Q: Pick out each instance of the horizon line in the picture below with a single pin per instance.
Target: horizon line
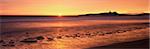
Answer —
(68, 14)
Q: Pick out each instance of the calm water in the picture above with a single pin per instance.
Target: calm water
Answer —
(9, 24)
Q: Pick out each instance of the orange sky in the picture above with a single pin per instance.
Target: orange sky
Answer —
(71, 7)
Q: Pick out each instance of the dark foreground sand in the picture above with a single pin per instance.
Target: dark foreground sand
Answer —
(139, 44)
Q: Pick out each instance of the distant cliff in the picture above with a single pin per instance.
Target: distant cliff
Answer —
(115, 14)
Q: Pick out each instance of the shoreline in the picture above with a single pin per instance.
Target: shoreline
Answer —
(77, 36)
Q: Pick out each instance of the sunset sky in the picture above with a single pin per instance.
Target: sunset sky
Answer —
(71, 7)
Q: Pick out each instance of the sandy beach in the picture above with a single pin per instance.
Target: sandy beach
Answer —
(73, 34)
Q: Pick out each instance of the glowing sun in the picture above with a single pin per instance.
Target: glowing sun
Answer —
(59, 15)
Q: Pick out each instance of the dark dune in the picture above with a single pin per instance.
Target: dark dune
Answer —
(140, 44)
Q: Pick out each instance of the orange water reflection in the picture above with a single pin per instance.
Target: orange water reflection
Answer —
(24, 25)
(73, 23)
